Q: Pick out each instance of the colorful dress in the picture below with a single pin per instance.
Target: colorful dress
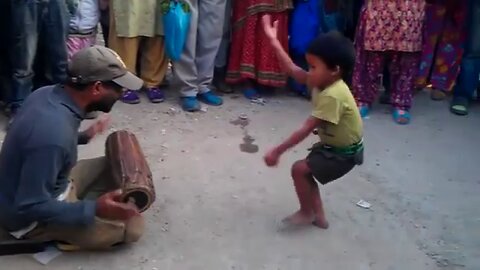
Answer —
(444, 37)
(251, 55)
(389, 31)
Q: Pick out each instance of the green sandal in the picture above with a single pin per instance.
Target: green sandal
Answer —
(459, 106)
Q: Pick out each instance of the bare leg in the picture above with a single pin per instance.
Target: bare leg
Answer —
(320, 219)
(302, 179)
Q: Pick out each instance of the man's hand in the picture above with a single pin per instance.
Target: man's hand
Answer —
(98, 127)
(271, 30)
(110, 207)
(272, 157)
(103, 4)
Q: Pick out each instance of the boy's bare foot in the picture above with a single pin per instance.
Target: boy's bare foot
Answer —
(322, 223)
(299, 218)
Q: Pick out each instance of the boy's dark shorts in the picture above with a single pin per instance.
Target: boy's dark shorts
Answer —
(327, 166)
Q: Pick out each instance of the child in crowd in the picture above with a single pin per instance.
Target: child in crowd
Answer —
(84, 18)
(335, 116)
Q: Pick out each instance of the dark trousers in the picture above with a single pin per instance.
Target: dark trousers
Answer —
(34, 24)
(5, 71)
(467, 81)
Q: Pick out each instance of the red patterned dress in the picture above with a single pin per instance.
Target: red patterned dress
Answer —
(389, 33)
(251, 55)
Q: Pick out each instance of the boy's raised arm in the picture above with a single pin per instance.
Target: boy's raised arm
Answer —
(286, 62)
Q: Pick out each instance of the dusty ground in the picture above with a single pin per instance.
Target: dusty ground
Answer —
(220, 208)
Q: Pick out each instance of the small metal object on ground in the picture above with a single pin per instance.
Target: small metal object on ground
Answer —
(364, 204)
(259, 101)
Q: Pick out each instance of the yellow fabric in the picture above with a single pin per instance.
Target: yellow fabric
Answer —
(135, 18)
(153, 60)
(342, 125)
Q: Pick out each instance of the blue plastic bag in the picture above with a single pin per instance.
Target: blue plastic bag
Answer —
(176, 23)
(307, 21)
(304, 25)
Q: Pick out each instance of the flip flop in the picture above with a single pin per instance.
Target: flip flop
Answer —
(400, 116)
(459, 106)
(437, 95)
(68, 247)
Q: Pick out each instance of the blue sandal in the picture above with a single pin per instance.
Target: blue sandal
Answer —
(251, 93)
(364, 110)
(400, 116)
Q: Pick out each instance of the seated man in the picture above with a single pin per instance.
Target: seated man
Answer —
(42, 197)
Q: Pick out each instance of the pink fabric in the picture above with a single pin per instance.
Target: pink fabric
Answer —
(403, 67)
(76, 43)
(394, 25)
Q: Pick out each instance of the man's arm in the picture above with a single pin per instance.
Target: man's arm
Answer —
(34, 200)
(103, 4)
(98, 127)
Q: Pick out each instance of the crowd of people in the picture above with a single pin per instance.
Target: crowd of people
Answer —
(410, 44)
(252, 45)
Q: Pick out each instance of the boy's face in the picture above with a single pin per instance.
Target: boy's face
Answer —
(319, 75)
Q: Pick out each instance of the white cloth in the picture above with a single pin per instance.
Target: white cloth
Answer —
(86, 17)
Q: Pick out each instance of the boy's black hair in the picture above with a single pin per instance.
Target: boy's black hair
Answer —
(335, 50)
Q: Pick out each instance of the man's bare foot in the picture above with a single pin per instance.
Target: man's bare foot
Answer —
(299, 218)
(322, 223)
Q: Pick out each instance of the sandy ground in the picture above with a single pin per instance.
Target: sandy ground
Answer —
(220, 208)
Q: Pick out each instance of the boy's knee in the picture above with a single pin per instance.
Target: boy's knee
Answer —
(134, 229)
(300, 167)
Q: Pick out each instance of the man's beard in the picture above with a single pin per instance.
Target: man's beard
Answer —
(105, 105)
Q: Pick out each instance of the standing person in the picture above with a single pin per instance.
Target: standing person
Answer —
(194, 71)
(136, 34)
(222, 55)
(251, 61)
(389, 32)
(34, 23)
(444, 37)
(42, 198)
(334, 115)
(85, 15)
(468, 78)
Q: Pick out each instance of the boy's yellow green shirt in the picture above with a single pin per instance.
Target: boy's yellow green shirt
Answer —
(341, 121)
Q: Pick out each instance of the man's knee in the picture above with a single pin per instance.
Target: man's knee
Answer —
(134, 229)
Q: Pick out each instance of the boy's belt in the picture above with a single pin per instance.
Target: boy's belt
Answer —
(347, 150)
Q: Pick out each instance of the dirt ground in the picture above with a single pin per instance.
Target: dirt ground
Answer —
(220, 208)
